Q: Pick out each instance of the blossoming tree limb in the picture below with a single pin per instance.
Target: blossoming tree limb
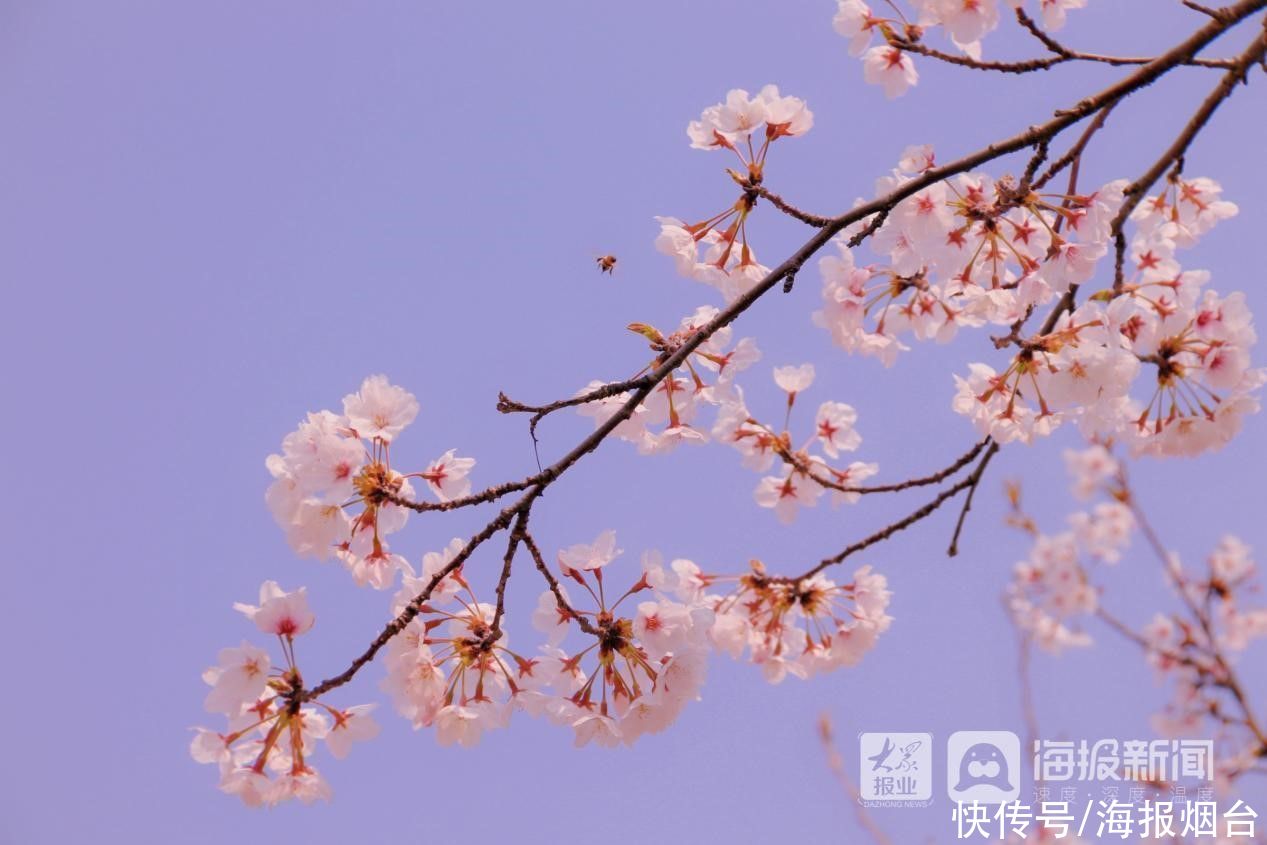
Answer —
(960, 250)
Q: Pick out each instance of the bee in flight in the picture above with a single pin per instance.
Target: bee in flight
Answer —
(606, 263)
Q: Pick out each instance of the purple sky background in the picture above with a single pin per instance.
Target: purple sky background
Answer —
(216, 217)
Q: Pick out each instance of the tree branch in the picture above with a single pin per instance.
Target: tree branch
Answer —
(873, 212)
(1173, 156)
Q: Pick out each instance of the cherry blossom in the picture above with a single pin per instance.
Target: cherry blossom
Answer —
(802, 477)
(800, 627)
(447, 670)
(793, 380)
(335, 495)
(379, 410)
(855, 21)
(355, 724)
(589, 557)
(238, 679)
(648, 665)
(728, 261)
(447, 476)
(1087, 318)
(264, 753)
(279, 612)
(964, 22)
(706, 378)
(1055, 12)
(1090, 468)
(891, 69)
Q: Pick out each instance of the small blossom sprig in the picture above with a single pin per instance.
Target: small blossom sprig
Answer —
(728, 262)
(803, 476)
(641, 669)
(451, 667)
(965, 23)
(706, 377)
(265, 753)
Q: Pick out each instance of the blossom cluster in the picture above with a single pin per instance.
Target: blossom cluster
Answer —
(803, 476)
(642, 650)
(614, 666)
(1051, 591)
(706, 378)
(333, 476)
(964, 22)
(264, 754)
(1158, 361)
(798, 627)
(975, 251)
(1194, 648)
(716, 250)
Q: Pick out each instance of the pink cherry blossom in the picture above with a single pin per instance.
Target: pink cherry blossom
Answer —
(1090, 468)
(854, 21)
(355, 724)
(889, 68)
(379, 410)
(447, 476)
(279, 612)
(589, 557)
(794, 380)
(238, 679)
(835, 421)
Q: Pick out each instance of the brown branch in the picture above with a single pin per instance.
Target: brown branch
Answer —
(506, 405)
(1061, 54)
(414, 607)
(923, 481)
(1041, 149)
(876, 210)
(1229, 679)
(973, 481)
(512, 545)
(1073, 155)
(584, 624)
(1205, 10)
(488, 495)
(791, 210)
(1025, 683)
(1068, 54)
(1173, 156)
(886, 532)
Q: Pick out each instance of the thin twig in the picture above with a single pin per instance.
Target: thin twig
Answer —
(531, 545)
(937, 477)
(1137, 190)
(1074, 153)
(791, 210)
(973, 481)
(886, 532)
(1229, 678)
